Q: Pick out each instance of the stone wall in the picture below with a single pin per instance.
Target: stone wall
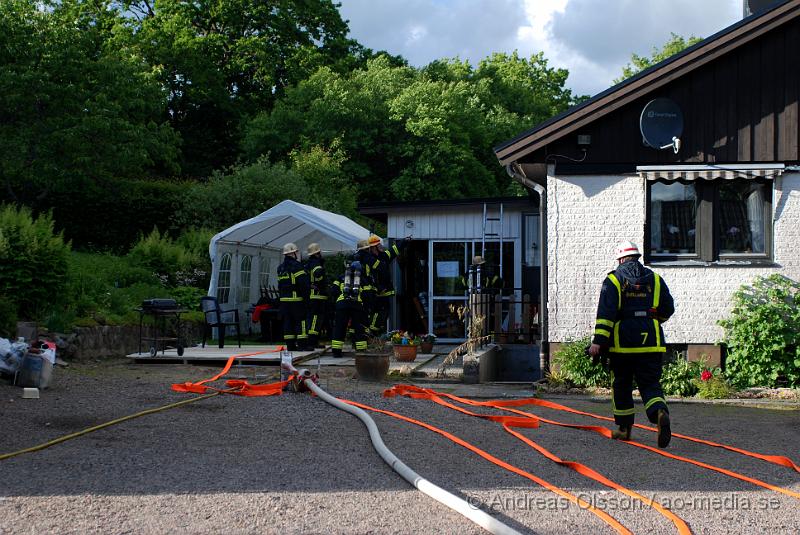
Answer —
(104, 341)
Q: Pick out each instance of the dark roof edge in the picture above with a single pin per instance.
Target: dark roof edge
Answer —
(739, 32)
(385, 206)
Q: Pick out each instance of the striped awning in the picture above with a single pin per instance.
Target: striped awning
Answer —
(709, 172)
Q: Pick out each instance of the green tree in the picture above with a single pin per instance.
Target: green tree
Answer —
(223, 60)
(74, 108)
(426, 133)
(639, 63)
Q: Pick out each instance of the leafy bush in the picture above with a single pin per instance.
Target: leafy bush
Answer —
(8, 317)
(173, 263)
(33, 261)
(763, 333)
(712, 385)
(577, 368)
(677, 377)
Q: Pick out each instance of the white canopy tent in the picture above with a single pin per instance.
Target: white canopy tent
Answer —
(245, 257)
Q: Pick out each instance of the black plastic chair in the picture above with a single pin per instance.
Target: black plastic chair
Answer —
(221, 319)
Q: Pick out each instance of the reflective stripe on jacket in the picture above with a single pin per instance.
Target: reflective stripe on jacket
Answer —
(293, 281)
(634, 302)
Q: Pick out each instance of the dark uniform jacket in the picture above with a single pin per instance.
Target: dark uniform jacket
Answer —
(293, 281)
(380, 268)
(634, 302)
(490, 283)
(315, 267)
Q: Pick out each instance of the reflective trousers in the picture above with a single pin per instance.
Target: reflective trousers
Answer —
(294, 323)
(646, 369)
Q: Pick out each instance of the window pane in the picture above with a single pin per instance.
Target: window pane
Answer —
(492, 256)
(741, 217)
(448, 262)
(673, 218)
(446, 323)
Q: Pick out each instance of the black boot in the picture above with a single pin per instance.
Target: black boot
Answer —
(623, 433)
(337, 353)
(291, 345)
(664, 430)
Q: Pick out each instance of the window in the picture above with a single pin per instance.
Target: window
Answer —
(224, 279)
(245, 269)
(710, 220)
(263, 276)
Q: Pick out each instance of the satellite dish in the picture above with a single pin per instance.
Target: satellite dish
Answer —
(661, 124)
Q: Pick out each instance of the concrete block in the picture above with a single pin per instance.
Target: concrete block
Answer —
(696, 352)
(30, 393)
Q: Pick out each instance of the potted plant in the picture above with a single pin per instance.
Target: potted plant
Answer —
(405, 345)
(373, 363)
(427, 343)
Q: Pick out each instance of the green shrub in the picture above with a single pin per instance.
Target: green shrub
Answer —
(577, 368)
(713, 385)
(172, 263)
(8, 317)
(763, 333)
(677, 377)
(33, 261)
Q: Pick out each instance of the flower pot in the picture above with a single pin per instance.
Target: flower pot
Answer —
(372, 366)
(426, 347)
(405, 353)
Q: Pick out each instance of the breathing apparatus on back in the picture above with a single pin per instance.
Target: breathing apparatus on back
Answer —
(352, 279)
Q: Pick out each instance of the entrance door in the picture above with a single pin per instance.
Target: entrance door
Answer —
(449, 260)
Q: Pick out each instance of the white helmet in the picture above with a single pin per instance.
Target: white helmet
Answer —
(313, 248)
(289, 248)
(626, 248)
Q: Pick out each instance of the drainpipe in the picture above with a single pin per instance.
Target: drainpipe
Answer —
(479, 517)
(515, 172)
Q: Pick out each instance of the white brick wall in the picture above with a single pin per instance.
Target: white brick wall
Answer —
(588, 215)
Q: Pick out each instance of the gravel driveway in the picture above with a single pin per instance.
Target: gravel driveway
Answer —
(293, 464)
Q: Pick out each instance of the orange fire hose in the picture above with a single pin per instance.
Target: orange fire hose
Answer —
(421, 393)
(608, 519)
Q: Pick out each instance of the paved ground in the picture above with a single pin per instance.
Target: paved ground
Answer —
(294, 464)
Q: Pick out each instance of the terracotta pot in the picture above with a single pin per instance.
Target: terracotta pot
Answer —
(405, 353)
(426, 347)
(372, 366)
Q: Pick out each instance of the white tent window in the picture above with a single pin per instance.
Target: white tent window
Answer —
(245, 269)
(224, 279)
(263, 276)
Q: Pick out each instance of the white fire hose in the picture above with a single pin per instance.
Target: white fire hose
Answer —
(423, 485)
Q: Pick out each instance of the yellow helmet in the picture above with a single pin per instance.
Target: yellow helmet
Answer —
(374, 240)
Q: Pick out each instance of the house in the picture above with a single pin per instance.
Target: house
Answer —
(695, 160)
(446, 235)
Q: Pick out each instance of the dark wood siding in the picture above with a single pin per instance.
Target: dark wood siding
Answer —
(740, 107)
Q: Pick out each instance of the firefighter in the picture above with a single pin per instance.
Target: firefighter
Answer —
(380, 270)
(318, 299)
(489, 281)
(634, 302)
(293, 287)
(351, 291)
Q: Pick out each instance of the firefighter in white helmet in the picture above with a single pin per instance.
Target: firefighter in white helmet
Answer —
(318, 300)
(294, 287)
(634, 302)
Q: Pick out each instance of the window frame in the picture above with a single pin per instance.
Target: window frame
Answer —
(707, 238)
(224, 278)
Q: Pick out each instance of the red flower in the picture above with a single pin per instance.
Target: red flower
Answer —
(705, 376)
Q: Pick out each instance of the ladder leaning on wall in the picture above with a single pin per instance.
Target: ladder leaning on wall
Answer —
(493, 232)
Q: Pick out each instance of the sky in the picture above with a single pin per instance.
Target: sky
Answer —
(592, 39)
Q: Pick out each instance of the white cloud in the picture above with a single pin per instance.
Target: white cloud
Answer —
(593, 39)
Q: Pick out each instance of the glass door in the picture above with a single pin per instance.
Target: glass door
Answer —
(449, 261)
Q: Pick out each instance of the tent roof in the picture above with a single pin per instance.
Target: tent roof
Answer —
(290, 221)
